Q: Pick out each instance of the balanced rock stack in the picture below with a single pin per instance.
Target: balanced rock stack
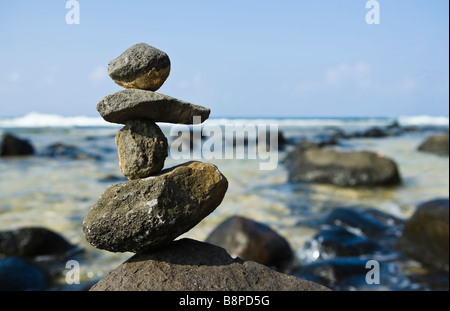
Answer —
(147, 213)
(155, 206)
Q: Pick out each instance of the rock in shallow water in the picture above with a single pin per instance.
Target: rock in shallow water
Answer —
(438, 144)
(142, 148)
(11, 145)
(323, 165)
(189, 265)
(130, 104)
(425, 237)
(141, 66)
(33, 241)
(148, 213)
(250, 240)
(17, 274)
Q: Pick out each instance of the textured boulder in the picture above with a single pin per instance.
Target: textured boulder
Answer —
(140, 66)
(142, 149)
(189, 265)
(425, 237)
(150, 212)
(251, 240)
(14, 146)
(437, 144)
(130, 104)
(323, 165)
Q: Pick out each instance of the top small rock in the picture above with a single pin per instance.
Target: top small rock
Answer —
(141, 67)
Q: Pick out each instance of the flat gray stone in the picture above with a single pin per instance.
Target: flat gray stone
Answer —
(142, 148)
(151, 212)
(131, 104)
(141, 66)
(189, 265)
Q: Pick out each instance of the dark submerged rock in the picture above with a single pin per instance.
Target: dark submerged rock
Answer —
(17, 274)
(63, 150)
(339, 242)
(251, 240)
(14, 146)
(33, 242)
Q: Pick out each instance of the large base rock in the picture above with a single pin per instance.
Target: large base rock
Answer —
(188, 265)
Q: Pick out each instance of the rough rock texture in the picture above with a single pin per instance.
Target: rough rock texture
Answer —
(147, 213)
(251, 240)
(140, 66)
(13, 146)
(437, 144)
(188, 265)
(323, 165)
(142, 148)
(130, 104)
(425, 237)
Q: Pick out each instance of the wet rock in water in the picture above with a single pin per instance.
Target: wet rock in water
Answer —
(63, 150)
(130, 104)
(141, 66)
(437, 144)
(33, 242)
(14, 146)
(17, 274)
(337, 273)
(142, 148)
(323, 165)
(425, 237)
(356, 220)
(251, 240)
(339, 242)
(189, 265)
(375, 132)
(147, 213)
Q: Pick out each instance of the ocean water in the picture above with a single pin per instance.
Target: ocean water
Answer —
(57, 192)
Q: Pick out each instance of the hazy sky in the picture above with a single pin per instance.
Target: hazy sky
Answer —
(249, 58)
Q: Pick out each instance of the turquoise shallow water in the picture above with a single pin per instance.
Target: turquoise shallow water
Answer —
(57, 192)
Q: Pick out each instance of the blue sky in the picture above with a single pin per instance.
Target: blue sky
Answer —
(246, 58)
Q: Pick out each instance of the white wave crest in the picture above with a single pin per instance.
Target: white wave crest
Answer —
(39, 120)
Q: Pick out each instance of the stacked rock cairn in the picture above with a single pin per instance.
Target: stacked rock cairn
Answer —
(154, 206)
